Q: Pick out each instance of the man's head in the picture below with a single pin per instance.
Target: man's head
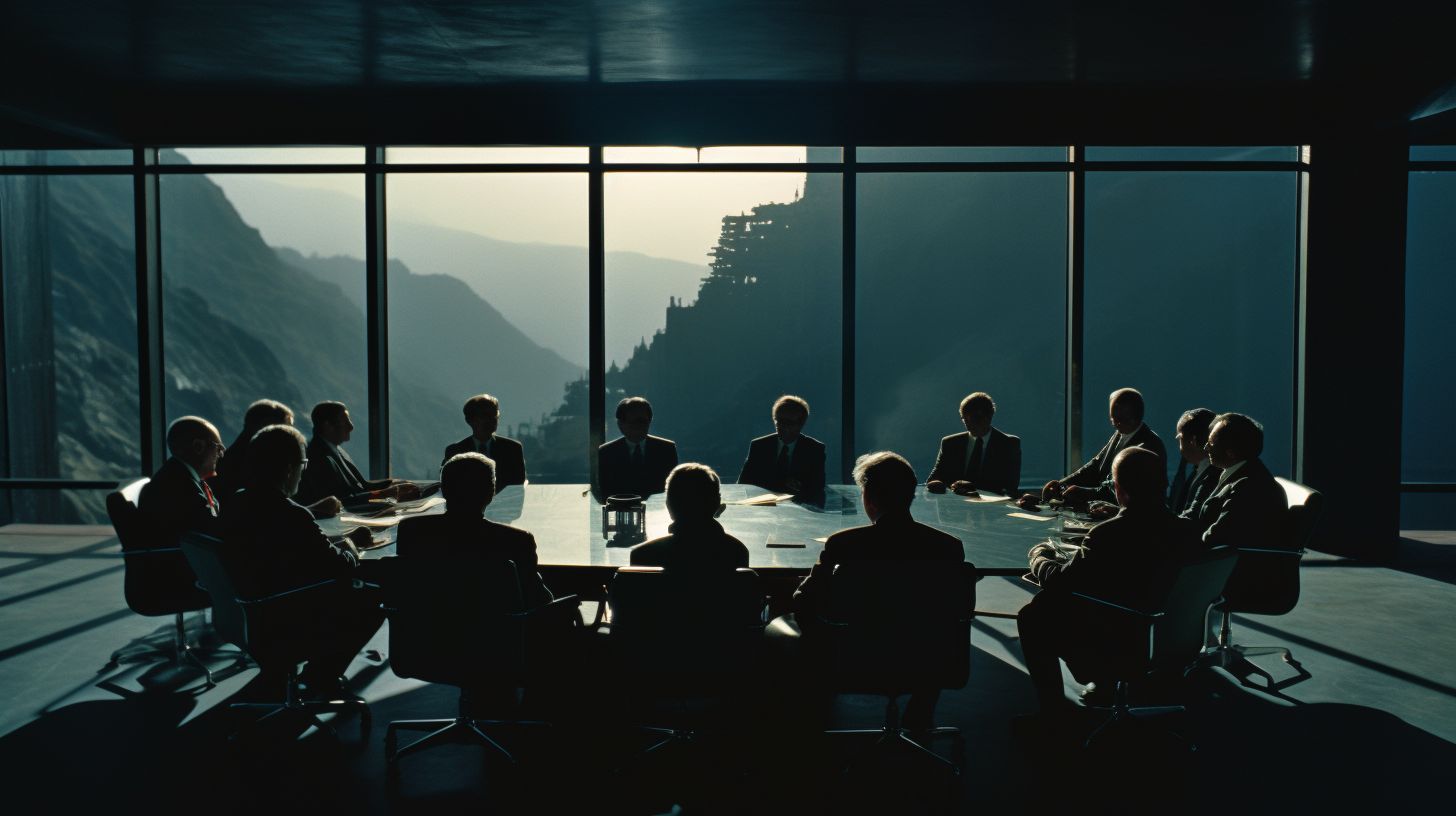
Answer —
(634, 418)
(195, 441)
(265, 412)
(1138, 477)
(789, 415)
(1234, 438)
(886, 483)
(468, 483)
(976, 412)
(276, 459)
(1125, 410)
(692, 493)
(1193, 429)
(331, 422)
(482, 414)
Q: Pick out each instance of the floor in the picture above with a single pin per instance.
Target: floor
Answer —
(1375, 726)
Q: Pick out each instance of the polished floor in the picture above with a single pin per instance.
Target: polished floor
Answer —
(1375, 727)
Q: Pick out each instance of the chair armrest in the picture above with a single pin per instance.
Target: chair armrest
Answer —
(1270, 551)
(288, 593)
(151, 551)
(1151, 616)
(563, 607)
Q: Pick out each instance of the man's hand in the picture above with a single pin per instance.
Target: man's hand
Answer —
(1102, 510)
(936, 486)
(1052, 490)
(1028, 502)
(1042, 550)
(963, 488)
(1077, 495)
(406, 491)
(358, 539)
(327, 507)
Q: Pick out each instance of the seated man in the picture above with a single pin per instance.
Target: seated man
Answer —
(1196, 474)
(462, 536)
(178, 498)
(887, 487)
(786, 461)
(694, 540)
(482, 414)
(332, 471)
(273, 545)
(982, 458)
(1131, 559)
(1093, 481)
(232, 470)
(637, 463)
(1247, 507)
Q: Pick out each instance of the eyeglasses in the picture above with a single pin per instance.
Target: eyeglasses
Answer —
(303, 465)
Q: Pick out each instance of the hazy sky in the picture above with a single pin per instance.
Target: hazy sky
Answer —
(668, 215)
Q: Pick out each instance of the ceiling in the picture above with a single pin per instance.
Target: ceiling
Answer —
(718, 71)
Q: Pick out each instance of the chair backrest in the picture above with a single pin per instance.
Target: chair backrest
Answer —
(685, 629)
(1266, 581)
(158, 580)
(899, 625)
(1179, 633)
(205, 554)
(461, 626)
(1305, 505)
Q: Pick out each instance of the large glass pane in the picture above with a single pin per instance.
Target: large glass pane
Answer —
(724, 292)
(1281, 153)
(263, 296)
(64, 158)
(488, 293)
(264, 155)
(1190, 299)
(961, 154)
(67, 249)
(485, 155)
(743, 154)
(1433, 153)
(961, 287)
(1428, 449)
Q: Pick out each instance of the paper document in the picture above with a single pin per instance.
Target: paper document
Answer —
(419, 505)
(766, 500)
(373, 523)
(987, 498)
(1030, 516)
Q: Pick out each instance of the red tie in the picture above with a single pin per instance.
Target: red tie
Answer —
(211, 502)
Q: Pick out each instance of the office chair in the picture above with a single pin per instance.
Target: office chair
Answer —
(896, 628)
(685, 636)
(267, 629)
(1132, 644)
(158, 581)
(1266, 582)
(469, 628)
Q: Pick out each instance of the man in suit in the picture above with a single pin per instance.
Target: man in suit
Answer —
(1196, 476)
(636, 463)
(273, 545)
(232, 469)
(332, 472)
(482, 414)
(1131, 559)
(695, 540)
(178, 498)
(1247, 507)
(1093, 480)
(786, 461)
(982, 458)
(887, 487)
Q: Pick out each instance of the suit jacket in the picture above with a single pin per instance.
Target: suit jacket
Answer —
(1000, 462)
(334, 474)
(1247, 509)
(1097, 473)
(174, 503)
(457, 545)
(510, 458)
(894, 537)
(617, 474)
(1131, 559)
(1188, 492)
(273, 544)
(702, 546)
(232, 469)
(806, 465)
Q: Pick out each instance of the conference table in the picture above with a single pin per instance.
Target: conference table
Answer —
(784, 540)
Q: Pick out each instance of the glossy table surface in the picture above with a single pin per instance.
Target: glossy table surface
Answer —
(567, 524)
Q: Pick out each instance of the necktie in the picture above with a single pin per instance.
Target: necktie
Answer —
(637, 455)
(211, 502)
(1181, 482)
(973, 466)
(782, 466)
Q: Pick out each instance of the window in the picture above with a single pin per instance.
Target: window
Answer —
(1428, 452)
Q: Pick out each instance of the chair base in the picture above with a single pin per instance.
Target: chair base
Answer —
(462, 729)
(293, 705)
(1121, 711)
(893, 736)
(1234, 659)
(181, 654)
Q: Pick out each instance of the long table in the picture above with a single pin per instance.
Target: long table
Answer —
(784, 539)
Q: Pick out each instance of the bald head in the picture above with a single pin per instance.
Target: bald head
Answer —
(1137, 475)
(1125, 410)
(195, 441)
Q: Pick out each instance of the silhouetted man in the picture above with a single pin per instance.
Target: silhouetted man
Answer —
(982, 458)
(482, 414)
(1196, 476)
(1247, 508)
(1093, 481)
(178, 497)
(887, 487)
(786, 461)
(1131, 560)
(273, 545)
(332, 472)
(232, 469)
(637, 463)
(695, 540)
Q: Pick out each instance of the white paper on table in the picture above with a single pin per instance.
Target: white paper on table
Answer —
(766, 500)
(373, 523)
(987, 499)
(1030, 516)
(419, 505)
(824, 540)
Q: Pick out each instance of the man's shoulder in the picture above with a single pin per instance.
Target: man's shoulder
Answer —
(954, 438)
(614, 445)
(997, 433)
(810, 442)
(507, 443)
(463, 446)
(660, 442)
(506, 532)
(760, 441)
